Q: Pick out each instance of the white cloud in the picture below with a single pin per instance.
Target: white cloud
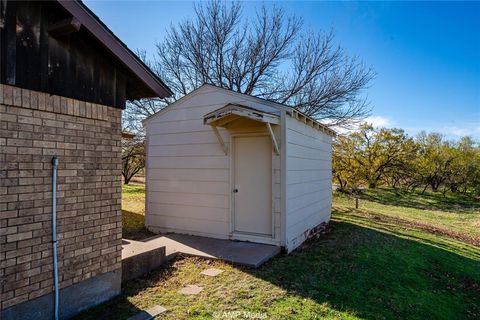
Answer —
(341, 130)
(378, 121)
(468, 129)
(451, 130)
(458, 131)
(375, 121)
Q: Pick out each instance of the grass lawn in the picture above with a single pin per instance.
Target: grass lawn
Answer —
(133, 212)
(399, 256)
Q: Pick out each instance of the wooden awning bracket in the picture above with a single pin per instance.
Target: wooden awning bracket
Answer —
(222, 116)
(274, 140)
(220, 140)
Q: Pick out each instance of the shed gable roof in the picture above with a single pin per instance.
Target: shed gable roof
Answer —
(269, 105)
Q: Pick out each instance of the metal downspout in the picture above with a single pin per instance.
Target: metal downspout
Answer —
(54, 232)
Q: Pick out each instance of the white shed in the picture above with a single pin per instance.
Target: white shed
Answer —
(227, 165)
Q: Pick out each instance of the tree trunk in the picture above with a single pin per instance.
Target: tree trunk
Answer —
(454, 188)
(395, 182)
(425, 188)
(342, 183)
(126, 179)
(411, 186)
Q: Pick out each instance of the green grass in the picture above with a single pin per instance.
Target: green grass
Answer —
(133, 212)
(385, 260)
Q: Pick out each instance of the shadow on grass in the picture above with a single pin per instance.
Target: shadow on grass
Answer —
(133, 226)
(381, 274)
(120, 306)
(417, 200)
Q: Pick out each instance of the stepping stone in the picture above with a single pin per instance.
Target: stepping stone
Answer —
(212, 272)
(191, 289)
(149, 313)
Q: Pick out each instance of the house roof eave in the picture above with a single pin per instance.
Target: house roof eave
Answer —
(116, 47)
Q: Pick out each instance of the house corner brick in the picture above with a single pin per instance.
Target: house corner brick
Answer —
(35, 126)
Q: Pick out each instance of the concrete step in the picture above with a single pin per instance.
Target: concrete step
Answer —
(238, 252)
(139, 258)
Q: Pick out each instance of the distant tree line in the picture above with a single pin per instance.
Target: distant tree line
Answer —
(372, 157)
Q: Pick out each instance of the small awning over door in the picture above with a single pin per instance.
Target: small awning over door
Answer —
(232, 112)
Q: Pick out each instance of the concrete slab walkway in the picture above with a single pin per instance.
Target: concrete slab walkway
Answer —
(148, 314)
(212, 272)
(237, 252)
(190, 289)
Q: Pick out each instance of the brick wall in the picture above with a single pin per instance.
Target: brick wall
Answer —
(86, 138)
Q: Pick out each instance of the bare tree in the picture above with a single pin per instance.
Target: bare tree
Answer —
(269, 55)
(133, 157)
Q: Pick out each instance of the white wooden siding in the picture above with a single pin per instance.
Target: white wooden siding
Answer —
(188, 174)
(192, 175)
(200, 187)
(308, 180)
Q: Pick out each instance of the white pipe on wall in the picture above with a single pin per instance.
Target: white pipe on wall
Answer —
(54, 232)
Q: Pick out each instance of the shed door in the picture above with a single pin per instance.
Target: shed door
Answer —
(252, 185)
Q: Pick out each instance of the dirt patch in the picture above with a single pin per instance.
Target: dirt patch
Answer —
(137, 234)
(319, 232)
(138, 180)
(473, 240)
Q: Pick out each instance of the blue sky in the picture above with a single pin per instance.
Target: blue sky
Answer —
(426, 54)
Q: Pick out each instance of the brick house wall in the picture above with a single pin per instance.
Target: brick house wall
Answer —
(86, 138)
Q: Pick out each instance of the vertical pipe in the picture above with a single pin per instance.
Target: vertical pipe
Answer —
(54, 232)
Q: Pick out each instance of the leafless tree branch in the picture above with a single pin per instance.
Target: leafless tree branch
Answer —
(269, 55)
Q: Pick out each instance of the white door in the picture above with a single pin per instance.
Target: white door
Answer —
(252, 187)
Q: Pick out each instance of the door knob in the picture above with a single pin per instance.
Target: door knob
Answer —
(235, 190)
